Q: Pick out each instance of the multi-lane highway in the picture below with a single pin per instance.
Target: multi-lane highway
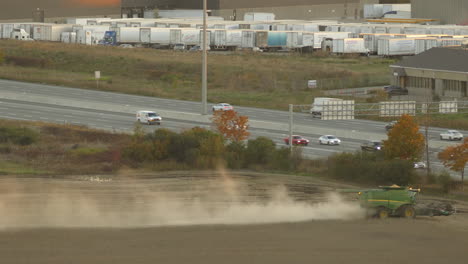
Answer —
(116, 112)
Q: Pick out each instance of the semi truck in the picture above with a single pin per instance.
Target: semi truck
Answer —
(317, 106)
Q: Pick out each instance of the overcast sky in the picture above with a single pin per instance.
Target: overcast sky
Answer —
(11, 9)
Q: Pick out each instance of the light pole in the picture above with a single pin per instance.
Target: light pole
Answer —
(204, 63)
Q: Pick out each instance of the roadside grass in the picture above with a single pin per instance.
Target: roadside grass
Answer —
(264, 80)
(13, 168)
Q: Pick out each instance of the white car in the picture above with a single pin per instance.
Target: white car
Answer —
(148, 117)
(420, 165)
(451, 135)
(329, 140)
(222, 107)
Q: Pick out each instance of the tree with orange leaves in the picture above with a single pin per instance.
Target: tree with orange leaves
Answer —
(456, 157)
(231, 125)
(404, 140)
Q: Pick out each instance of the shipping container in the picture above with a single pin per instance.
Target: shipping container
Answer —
(396, 46)
(349, 45)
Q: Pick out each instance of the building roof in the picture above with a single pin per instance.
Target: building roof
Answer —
(440, 59)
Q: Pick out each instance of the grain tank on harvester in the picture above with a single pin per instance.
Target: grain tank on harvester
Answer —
(388, 201)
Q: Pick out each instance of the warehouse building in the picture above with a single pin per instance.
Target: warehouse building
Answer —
(439, 73)
(283, 9)
(446, 11)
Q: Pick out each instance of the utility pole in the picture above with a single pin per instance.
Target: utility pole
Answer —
(204, 63)
(426, 132)
(290, 126)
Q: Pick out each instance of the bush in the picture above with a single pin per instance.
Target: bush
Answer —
(259, 151)
(18, 136)
(2, 57)
(445, 181)
(196, 147)
(235, 155)
(371, 168)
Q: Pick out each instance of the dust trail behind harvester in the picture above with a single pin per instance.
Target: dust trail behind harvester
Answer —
(143, 203)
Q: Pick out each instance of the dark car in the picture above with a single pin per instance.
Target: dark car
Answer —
(372, 146)
(395, 90)
(390, 125)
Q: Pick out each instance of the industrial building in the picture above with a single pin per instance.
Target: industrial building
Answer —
(283, 9)
(446, 11)
(437, 73)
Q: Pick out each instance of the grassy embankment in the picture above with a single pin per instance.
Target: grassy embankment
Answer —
(247, 79)
(40, 149)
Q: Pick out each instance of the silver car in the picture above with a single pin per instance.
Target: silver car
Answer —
(222, 107)
(329, 140)
(451, 135)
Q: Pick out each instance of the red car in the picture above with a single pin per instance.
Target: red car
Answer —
(297, 140)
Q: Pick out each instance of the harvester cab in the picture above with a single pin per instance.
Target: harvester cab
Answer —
(389, 201)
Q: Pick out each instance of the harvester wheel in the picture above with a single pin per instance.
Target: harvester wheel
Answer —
(382, 213)
(408, 212)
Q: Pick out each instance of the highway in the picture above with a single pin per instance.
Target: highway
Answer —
(116, 112)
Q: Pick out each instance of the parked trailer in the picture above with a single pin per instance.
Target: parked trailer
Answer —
(321, 36)
(226, 39)
(191, 37)
(396, 46)
(349, 45)
(97, 31)
(84, 21)
(68, 37)
(371, 41)
(416, 30)
(274, 40)
(84, 37)
(7, 29)
(307, 41)
(50, 32)
(128, 35)
(248, 39)
(157, 36)
(256, 16)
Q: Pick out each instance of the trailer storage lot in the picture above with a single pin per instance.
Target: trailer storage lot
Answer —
(122, 205)
(289, 35)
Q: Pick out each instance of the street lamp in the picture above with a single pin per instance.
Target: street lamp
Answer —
(204, 63)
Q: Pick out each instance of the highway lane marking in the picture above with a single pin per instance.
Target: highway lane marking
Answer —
(43, 118)
(16, 118)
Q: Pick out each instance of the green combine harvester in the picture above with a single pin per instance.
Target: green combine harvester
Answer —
(388, 201)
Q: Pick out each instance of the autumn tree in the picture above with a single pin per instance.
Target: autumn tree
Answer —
(456, 157)
(404, 140)
(231, 125)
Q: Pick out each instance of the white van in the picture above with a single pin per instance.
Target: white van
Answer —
(148, 117)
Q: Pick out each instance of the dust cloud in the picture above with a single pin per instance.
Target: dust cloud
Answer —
(36, 203)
